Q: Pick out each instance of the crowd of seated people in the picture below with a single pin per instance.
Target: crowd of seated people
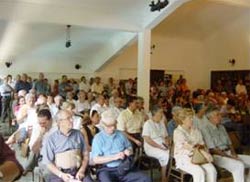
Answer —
(72, 126)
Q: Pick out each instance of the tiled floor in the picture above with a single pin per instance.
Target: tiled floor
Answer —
(22, 160)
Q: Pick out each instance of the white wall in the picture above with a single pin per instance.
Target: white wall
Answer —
(181, 54)
(124, 66)
(52, 70)
(169, 54)
(233, 41)
(196, 58)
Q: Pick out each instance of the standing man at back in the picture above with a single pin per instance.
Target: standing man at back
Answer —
(6, 93)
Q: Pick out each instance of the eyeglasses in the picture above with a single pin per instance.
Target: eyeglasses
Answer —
(109, 125)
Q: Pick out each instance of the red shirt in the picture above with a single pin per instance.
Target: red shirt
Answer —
(6, 154)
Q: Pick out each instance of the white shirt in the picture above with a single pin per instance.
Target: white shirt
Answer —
(84, 86)
(31, 118)
(116, 111)
(100, 109)
(183, 139)
(77, 122)
(156, 131)
(53, 109)
(5, 89)
(81, 106)
(36, 131)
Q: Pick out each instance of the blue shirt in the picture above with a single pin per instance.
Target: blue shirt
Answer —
(41, 87)
(62, 88)
(107, 145)
(57, 142)
(21, 85)
(171, 127)
(216, 136)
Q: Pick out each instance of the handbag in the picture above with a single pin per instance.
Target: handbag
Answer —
(199, 157)
(126, 165)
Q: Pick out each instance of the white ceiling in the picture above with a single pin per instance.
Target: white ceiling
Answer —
(34, 30)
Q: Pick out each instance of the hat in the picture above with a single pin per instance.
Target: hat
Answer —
(108, 117)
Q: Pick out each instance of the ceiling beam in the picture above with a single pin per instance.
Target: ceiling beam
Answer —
(173, 5)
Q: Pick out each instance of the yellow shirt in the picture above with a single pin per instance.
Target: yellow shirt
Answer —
(130, 122)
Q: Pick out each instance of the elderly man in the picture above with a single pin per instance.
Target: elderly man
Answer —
(65, 153)
(109, 148)
(220, 145)
(10, 169)
(131, 121)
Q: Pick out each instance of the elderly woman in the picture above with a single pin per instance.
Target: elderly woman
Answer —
(186, 138)
(156, 140)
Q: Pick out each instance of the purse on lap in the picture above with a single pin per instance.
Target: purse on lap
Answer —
(198, 157)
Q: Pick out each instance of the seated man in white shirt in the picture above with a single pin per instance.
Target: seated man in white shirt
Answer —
(83, 85)
(100, 105)
(82, 102)
(39, 134)
(55, 107)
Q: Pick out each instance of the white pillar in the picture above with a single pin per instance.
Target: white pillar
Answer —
(143, 67)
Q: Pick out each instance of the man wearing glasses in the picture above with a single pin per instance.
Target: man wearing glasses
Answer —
(65, 153)
(110, 148)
